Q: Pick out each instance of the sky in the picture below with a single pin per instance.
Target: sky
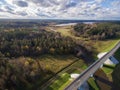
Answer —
(60, 9)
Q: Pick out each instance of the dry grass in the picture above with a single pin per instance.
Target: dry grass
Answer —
(64, 30)
(104, 46)
(100, 46)
(55, 63)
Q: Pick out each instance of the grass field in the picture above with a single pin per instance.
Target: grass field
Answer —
(65, 31)
(59, 84)
(100, 46)
(108, 69)
(93, 85)
(65, 84)
(104, 46)
(77, 67)
(56, 62)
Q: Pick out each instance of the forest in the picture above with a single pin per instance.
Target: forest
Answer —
(28, 43)
(27, 73)
(23, 43)
(97, 31)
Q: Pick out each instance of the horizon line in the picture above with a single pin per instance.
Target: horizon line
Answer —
(60, 19)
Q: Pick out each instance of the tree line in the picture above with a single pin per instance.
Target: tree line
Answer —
(34, 43)
(98, 31)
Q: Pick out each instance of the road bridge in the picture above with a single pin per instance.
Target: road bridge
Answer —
(91, 69)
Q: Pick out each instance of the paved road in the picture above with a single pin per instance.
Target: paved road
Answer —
(91, 70)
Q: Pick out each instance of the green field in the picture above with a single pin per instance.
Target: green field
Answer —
(93, 85)
(60, 82)
(77, 67)
(104, 46)
(108, 69)
(65, 84)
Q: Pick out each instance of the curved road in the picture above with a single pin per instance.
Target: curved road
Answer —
(91, 69)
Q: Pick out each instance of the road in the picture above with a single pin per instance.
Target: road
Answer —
(91, 70)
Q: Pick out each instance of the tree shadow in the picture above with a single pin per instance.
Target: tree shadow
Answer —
(116, 78)
(102, 80)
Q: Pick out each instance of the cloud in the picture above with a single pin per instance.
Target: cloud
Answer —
(115, 3)
(21, 3)
(21, 13)
(66, 9)
(8, 8)
(1, 10)
(43, 3)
